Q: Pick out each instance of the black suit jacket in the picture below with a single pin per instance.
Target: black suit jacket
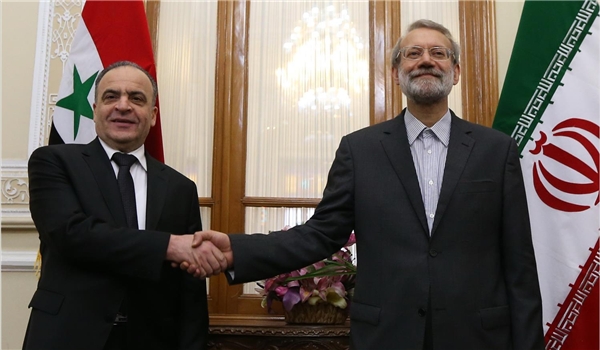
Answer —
(91, 261)
(477, 269)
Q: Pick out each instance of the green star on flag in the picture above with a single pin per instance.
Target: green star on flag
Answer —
(77, 101)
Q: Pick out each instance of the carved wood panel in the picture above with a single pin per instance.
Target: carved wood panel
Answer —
(275, 334)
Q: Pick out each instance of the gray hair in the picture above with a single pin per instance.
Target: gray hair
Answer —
(425, 23)
(127, 64)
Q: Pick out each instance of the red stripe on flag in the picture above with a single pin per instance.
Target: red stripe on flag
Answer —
(584, 334)
(120, 32)
(576, 324)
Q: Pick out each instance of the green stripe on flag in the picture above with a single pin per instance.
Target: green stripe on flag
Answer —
(549, 36)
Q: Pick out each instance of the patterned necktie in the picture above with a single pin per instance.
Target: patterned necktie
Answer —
(125, 161)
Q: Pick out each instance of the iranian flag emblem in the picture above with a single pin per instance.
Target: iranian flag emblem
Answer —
(550, 104)
(109, 31)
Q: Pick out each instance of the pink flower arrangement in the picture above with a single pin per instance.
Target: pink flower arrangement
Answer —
(327, 281)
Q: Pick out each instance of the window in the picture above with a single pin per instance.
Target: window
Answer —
(257, 127)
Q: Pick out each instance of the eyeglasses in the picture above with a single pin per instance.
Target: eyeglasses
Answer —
(436, 53)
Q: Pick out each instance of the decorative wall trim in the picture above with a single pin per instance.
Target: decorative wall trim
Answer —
(57, 21)
(18, 261)
(41, 73)
(14, 190)
(17, 224)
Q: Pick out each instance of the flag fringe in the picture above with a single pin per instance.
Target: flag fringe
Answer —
(37, 265)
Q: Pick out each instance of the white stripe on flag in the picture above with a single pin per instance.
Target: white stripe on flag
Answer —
(85, 55)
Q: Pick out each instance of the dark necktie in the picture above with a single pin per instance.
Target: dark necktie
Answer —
(125, 161)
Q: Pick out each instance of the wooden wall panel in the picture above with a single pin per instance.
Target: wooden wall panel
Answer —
(229, 160)
(385, 30)
(479, 62)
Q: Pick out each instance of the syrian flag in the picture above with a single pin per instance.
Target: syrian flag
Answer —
(109, 31)
(550, 104)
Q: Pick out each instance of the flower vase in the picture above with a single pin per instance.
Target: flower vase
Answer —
(321, 313)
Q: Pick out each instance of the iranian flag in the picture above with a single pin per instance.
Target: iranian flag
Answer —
(109, 31)
(550, 104)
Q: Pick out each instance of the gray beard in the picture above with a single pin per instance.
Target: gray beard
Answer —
(426, 91)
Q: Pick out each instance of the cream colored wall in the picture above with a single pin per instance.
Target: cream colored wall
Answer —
(19, 239)
(19, 32)
(508, 13)
(18, 53)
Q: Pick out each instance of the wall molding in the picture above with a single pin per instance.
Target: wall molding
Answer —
(15, 223)
(18, 261)
(14, 191)
(57, 24)
(41, 73)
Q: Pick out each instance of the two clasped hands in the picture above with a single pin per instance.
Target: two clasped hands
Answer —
(204, 254)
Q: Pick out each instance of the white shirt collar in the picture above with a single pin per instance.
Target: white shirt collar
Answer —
(414, 127)
(139, 153)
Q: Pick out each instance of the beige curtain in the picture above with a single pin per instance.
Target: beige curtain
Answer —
(186, 58)
(308, 87)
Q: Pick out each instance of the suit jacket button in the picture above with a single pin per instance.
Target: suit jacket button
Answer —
(422, 312)
(433, 253)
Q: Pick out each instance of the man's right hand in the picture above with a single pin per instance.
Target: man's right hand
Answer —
(217, 239)
(205, 258)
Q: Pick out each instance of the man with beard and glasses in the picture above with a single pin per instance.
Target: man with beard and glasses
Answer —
(440, 216)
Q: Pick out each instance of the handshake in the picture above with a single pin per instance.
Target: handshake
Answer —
(203, 254)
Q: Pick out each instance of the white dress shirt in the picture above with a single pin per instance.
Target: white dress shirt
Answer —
(140, 179)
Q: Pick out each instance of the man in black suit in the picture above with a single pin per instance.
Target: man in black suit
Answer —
(106, 280)
(440, 215)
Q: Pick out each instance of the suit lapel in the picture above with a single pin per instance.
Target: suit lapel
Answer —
(397, 149)
(99, 164)
(459, 149)
(157, 191)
